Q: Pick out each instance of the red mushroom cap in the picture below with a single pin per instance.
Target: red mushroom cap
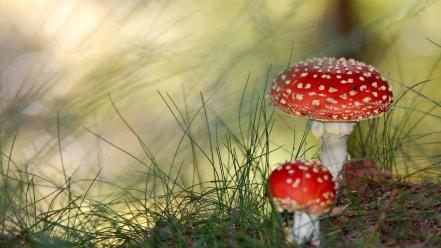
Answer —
(302, 186)
(329, 89)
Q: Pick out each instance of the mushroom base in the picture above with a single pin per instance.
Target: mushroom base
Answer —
(306, 228)
(333, 143)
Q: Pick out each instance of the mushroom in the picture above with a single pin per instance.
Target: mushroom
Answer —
(307, 189)
(335, 94)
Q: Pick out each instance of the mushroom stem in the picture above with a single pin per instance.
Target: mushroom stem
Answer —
(333, 143)
(306, 228)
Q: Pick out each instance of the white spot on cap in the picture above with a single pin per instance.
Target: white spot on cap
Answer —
(343, 96)
(332, 90)
(338, 76)
(289, 91)
(304, 74)
(314, 76)
(287, 81)
(321, 87)
(291, 171)
(316, 102)
(289, 181)
(352, 92)
(367, 99)
(312, 93)
(375, 84)
(383, 87)
(307, 175)
(384, 97)
(331, 100)
(357, 104)
(363, 87)
(307, 86)
(296, 183)
(282, 101)
(283, 76)
(361, 78)
(299, 96)
(375, 94)
(299, 85)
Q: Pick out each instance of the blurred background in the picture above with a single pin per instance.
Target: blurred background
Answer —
(62, 61)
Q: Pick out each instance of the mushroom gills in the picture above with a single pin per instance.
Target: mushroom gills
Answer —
(333, 143)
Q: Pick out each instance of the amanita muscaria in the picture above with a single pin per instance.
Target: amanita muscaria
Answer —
(335, 94)
(307, 189)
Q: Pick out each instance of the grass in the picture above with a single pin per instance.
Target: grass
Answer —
(216, 195)
(229, 209)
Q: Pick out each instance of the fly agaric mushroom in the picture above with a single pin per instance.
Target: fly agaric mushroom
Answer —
(307, 189)
(335, 94)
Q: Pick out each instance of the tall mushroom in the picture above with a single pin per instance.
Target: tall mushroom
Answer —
(335, 94)
(307, 189)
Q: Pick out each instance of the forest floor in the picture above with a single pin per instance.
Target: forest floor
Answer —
(380, 212)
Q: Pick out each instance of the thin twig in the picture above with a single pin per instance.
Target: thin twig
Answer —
(394, 194)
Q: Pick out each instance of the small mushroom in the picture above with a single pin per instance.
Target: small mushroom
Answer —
(307, 189)
(335, 94)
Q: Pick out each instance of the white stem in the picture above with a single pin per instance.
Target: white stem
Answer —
(333, 143)
(333, 153)
(306, 228)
